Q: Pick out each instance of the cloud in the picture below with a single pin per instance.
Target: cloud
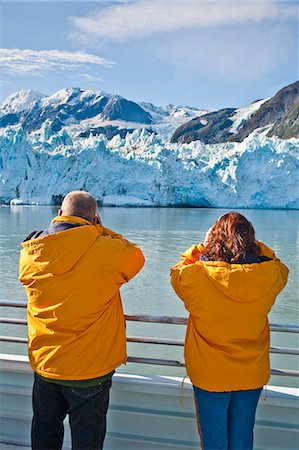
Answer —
(40, 62)
(141, 19)
(91, 78)
(236, 54)
(87, 77)
(5, 83)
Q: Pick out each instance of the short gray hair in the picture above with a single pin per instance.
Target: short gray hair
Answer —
(79, 203)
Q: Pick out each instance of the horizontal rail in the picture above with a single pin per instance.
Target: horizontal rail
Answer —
(154, 340)
(141, 340)
(285, 372)
(284, 328)
(13, 303)
(284, 350)
(161, 362)
(13, 321)
(157, 319)
(174, 363)
(15, 339)
(161, 319)
(156, 361)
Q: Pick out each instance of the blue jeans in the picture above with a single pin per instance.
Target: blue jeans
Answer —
(226, 419)
(87, 409)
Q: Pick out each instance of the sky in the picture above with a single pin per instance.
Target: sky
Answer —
(206, 54)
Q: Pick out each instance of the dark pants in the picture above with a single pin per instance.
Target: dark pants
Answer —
(87, 409)
(226, 419)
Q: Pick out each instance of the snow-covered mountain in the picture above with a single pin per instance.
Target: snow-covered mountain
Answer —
(19, 101)
(142, 169)
(85, 112)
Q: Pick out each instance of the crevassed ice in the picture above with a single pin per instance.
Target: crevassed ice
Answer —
(145, 170)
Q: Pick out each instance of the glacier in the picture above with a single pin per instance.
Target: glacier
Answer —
(144, 169)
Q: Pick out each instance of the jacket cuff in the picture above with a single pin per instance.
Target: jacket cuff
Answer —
(193, 253)
(266, 251)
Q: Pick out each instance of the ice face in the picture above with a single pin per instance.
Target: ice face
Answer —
(143, 169)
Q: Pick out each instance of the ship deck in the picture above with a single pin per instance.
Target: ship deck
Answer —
(148, 412)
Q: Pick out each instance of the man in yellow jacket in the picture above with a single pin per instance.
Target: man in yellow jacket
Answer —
(72, 273)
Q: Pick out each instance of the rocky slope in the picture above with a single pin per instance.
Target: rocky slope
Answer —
(277, 116)
(279, 113)
(209, 128)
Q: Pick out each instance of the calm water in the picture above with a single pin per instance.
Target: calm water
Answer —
(162, 233)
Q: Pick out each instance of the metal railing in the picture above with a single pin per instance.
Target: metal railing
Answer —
(159, 341)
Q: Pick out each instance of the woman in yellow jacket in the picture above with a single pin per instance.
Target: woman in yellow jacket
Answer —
(228, 286)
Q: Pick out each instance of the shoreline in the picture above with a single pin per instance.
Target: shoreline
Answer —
(178, 206)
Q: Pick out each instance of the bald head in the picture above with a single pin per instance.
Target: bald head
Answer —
(79, 203)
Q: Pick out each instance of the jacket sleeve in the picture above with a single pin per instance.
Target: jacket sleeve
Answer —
(284, 271)
(190, 256)
(108, 232)
(182, 277)
(175, 279)
(122, 256)
(181, 281)
(180, 274)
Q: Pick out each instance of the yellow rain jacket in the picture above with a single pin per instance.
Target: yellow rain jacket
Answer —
(228, 339)
(72, 279)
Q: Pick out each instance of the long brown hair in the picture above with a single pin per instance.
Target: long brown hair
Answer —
(230, 238)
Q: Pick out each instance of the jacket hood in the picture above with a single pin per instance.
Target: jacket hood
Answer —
(244, 282)
(239, 282)
(58, 253)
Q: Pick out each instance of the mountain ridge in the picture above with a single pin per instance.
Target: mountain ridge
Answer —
(87, 112)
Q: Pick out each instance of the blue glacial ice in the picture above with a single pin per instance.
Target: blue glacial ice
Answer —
(142, 169)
